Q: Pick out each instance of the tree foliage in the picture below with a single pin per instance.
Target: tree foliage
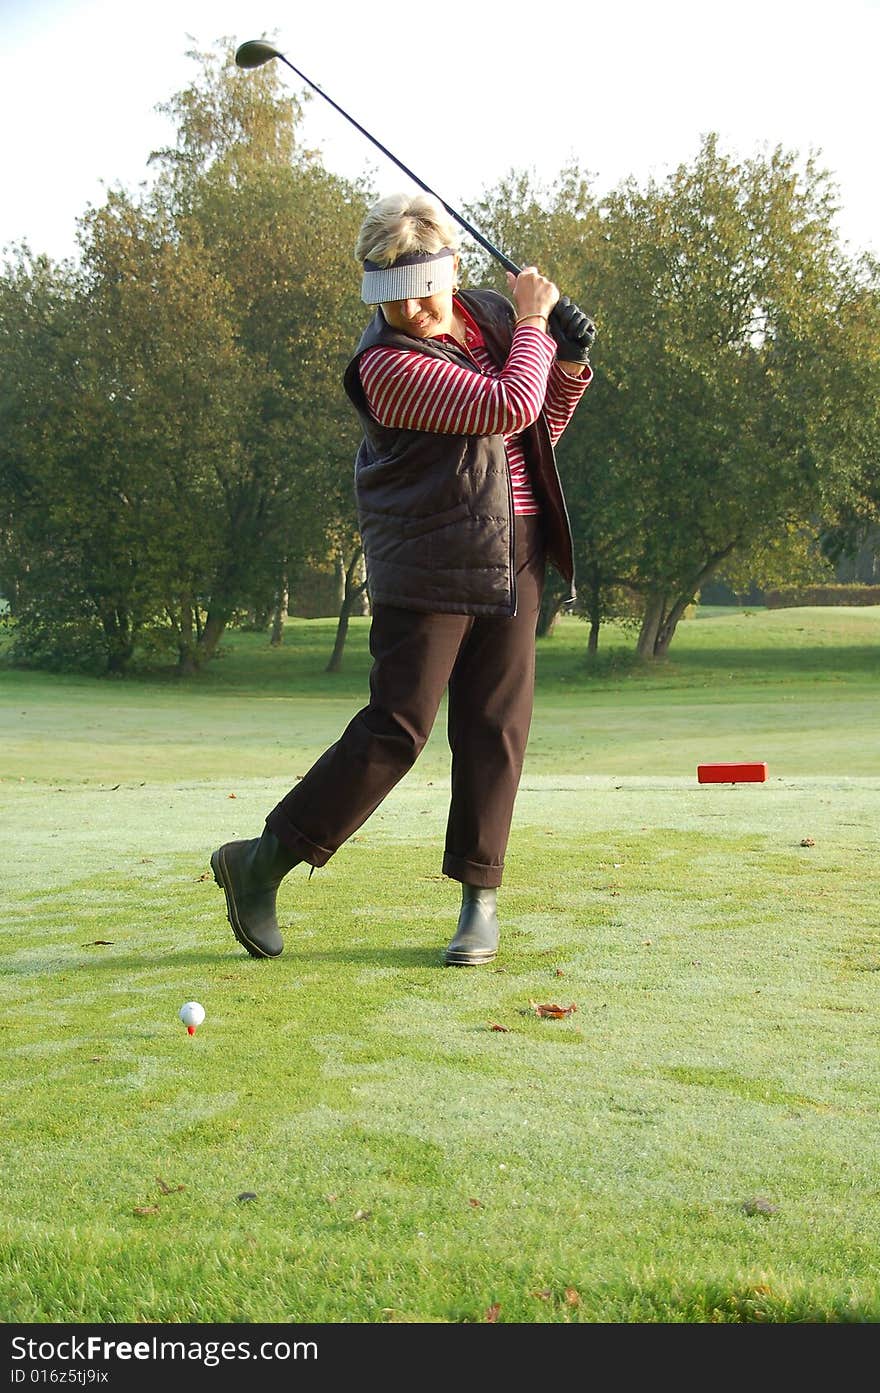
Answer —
(201, 445)
(852, 513)
(176, 447)
(723, 366)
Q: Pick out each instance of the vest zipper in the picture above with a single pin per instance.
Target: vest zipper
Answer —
(512, 533)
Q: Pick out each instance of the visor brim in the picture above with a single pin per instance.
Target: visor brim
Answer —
(408, 278)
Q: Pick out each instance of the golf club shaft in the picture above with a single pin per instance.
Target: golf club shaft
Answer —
(484, 242)
(255, 52)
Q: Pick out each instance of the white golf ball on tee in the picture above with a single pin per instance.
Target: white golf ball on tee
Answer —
(192, 1014)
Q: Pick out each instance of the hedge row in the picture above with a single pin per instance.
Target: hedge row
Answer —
(788, 596)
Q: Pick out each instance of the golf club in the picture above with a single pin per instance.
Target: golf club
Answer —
(255, 52)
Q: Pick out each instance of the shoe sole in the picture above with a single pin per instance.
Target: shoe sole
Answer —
(469, 959)
(221, 876)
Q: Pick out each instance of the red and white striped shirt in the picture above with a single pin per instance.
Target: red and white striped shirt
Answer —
(412, 391)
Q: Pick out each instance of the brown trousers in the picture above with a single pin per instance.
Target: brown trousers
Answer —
(488, 668)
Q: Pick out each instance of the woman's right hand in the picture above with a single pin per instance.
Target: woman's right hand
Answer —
(533, 294)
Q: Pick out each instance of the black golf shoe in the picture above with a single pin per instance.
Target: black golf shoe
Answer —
(249, 874)
(476, 937)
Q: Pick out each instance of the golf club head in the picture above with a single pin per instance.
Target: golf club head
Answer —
(255, 53)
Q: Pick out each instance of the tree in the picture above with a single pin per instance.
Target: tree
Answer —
(278, 232)
(42, 400)
(178, 442)
(851, 515)
(165, 368)
(707, 435)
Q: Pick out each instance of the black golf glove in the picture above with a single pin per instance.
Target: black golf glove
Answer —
(572, 330)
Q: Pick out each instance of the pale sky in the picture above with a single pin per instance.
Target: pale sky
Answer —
(461, 93)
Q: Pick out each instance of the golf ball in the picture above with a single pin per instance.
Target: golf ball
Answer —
(191, 1013)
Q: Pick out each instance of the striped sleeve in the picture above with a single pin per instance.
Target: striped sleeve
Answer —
(563, 394)
(412, 391)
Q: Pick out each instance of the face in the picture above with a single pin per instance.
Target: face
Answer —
(422, 319)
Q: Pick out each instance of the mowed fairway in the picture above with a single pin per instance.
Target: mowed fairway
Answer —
(356, 1134)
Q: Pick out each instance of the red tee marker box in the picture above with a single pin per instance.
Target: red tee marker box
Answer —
(731, 773)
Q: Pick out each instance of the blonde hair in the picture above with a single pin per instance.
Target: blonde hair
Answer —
(404, 223)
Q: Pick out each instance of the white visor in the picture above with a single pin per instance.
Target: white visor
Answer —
(413, 276)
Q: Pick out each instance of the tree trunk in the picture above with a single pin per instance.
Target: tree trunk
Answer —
(186, 647)
(187, 665)
(668, 623)
(339, 576)
(279, 614)
(551, 608)
(593, 608)
(335, 661)
(117, 661)
(547, 618)
(119, 639)
(353, 589)
(362, 601)
(667, 628)
(652, 618)
(215, 626)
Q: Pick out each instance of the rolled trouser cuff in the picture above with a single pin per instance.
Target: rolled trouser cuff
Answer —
(472, 872)
(295, 842)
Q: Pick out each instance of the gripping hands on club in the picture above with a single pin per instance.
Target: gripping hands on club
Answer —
(533, 294)
(572, 330)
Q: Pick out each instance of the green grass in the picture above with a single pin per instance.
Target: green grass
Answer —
(696, 1142)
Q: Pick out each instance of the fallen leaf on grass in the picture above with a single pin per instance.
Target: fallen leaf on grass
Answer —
(552, 1010)
(493, 1312)
(572, 1296)
(362, 1214)
(544, 1295)
(146, 1209)
(559, 972)
(477, 1204)
(168, 1189)
(232, 795)
(331, 1199)
(495, 1026)
(206, 875)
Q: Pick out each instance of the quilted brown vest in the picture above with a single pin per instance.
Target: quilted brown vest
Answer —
(436, 511)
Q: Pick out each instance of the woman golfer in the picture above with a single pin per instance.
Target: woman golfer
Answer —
(461, 395)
